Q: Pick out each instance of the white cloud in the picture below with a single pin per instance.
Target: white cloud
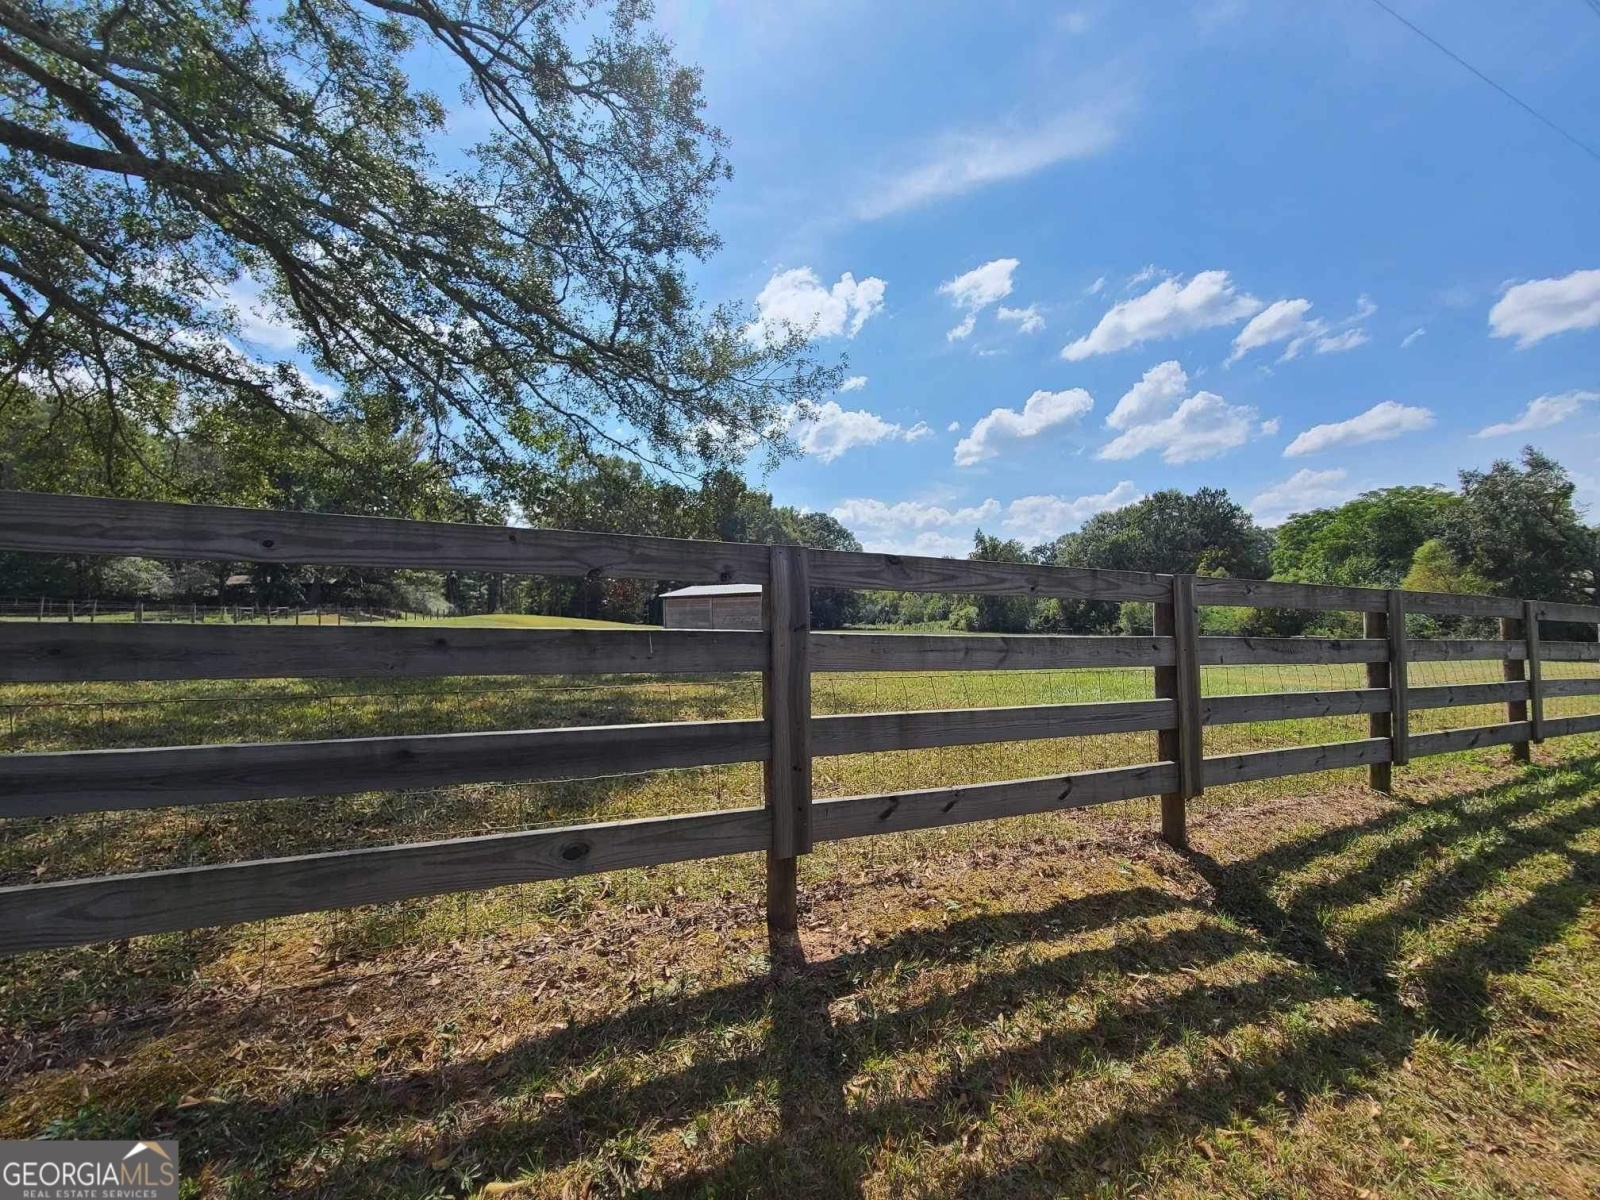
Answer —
(1337, 343)
(1301, 492)
(828, 431)
(871, 515)
(796, 299)
(1410, 339)
(981, 286)
(854, 384)
(1277, 322)
(964, 329)
(1029, 320)
(1203, 426)
(953, 427)
(923, 527)
(1379, 423)
(1044, 518)
(1533, 311)
(1095, 288)
(963, 161)
(1153, 397)
(915, 526)
(976, 290)
(1166, 310)
(1286, 321)
(1541, 413)
(1041, 412)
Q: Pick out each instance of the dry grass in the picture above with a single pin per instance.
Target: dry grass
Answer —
(1335, 993)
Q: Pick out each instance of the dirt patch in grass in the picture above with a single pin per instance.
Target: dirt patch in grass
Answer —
(1333, 994)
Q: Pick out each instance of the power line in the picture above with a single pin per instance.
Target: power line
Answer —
(1522, 104)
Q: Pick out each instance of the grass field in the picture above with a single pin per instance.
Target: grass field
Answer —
(1336, 993)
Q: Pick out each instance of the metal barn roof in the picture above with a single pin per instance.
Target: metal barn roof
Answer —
(716, 589)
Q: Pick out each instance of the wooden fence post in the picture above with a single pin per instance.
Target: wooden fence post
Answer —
(1399, 696)
(1530, 633)
(1380, 777)
(1181, 683)
(786, 705)
(1513, 671)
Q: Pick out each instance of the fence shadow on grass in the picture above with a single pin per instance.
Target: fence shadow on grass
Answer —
(828, 1137)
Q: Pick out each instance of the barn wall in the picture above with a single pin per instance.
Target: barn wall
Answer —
(711, 612)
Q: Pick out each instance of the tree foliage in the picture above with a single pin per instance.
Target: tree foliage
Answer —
(525, 301)
(1517, 528)
(1365, 542)
(1204, 533)
(995, 614)
(1435, 569)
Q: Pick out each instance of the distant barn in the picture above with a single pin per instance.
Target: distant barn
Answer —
(713, 606)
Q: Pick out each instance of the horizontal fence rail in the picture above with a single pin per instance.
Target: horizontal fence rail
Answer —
(787, 654)
(84, 653)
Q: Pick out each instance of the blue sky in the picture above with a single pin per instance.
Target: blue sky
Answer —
(1285, 248)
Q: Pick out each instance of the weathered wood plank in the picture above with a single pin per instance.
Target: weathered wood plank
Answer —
(1191, 781)
(57, 653)
(1578, 614)
(1569, 651)
(862, 733)
(907, 573)
(1459, 649)
(1567, 726)
(1470, 738)
(1380, 775)
(53, 783)
(896, 812)
(1399, 705)
(1450, 604)
(91, 525)
(968, 652)
(74, 912)
(1169, 742)
(1463, 649)
(1571, 687)
(1294, 760)
(1513, 671)
(786, 705)
(1244, 651)
(1292, 706)
(1261, 593)
(1530, 633)
(1461, 695)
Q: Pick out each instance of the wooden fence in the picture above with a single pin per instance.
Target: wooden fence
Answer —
(784, 740)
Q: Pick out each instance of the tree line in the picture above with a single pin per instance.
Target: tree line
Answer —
(1512, 530)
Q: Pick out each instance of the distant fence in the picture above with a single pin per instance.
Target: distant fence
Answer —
(50, 608)
(784, 740)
